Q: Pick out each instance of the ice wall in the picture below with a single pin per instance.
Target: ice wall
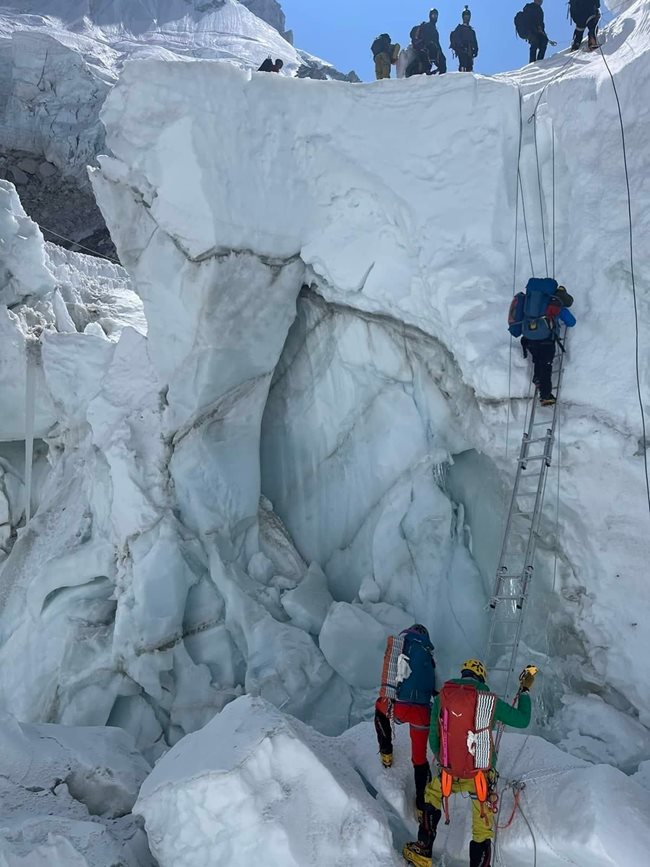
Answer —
(160, 584)
(409, 232)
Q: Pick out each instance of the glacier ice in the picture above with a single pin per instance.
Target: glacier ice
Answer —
(60, 58)
(255, 783)
(286, 423)
(67, 796)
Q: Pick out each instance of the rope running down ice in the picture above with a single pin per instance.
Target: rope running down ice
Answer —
(514, 266)
(644, 444)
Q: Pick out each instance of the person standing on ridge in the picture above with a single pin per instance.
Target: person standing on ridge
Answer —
(408, 685)
(585, 14)
(529, 24)
(426, 42)
(463, 43)
(535, 316)
(462, 719)
(385, 54)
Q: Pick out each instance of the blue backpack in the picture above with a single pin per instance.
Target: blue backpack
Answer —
(420, 686)
(532, 314)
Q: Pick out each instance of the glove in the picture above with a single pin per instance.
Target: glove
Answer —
(527, 677)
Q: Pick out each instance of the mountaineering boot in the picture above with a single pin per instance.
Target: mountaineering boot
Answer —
(418, 854)
(592, 42)
(386, 759)
(548, 401)
(480, 854)
(577, 40)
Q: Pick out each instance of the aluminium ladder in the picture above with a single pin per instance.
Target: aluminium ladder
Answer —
(521, 534)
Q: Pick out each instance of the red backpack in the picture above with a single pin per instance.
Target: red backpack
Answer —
(466, 746)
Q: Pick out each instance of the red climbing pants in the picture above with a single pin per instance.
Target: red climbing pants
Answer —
(418, 716)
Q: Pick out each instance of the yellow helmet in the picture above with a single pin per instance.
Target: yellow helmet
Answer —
(476, 667)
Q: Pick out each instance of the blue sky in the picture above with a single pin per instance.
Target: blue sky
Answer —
(341, 31)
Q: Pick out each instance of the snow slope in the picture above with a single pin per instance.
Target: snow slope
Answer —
(257, 785)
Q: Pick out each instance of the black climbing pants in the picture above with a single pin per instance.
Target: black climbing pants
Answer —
(538, 45)
(465, 61)
(542, 353)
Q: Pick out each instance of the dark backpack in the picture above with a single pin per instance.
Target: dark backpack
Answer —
(381, 45)
(523, 25)
(541, 308)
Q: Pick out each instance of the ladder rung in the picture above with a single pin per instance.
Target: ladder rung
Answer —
(539, 439)
(524, 461)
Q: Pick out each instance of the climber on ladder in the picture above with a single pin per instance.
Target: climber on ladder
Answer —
(462, 719)
(535, 316)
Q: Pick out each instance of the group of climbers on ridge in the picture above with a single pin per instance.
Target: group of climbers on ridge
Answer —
(425, 51)
(529, 24)
(458, 728)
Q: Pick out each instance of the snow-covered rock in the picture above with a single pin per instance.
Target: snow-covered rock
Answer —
(67, 795)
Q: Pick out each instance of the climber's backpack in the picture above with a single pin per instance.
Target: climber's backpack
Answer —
(381, 45)
(516, 314)
(541, 308)
(465, 725)
(409, 670)
(523, 25)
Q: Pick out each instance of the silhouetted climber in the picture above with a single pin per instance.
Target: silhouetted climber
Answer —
(529, 24)
(535, 316)
(462, 719)
(385, 53)
(270, 65)
(585, 14)
(463, 43)
(408, 684)
(426, 42)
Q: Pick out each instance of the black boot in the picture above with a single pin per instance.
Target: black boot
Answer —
(577, 40)
(422, 774)
(480, 854)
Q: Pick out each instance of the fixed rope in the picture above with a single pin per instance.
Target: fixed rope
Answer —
(644, 444)
(514, 265)
(540, 190)
(95, 253)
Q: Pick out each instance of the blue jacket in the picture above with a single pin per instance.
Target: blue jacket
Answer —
(567, 317)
